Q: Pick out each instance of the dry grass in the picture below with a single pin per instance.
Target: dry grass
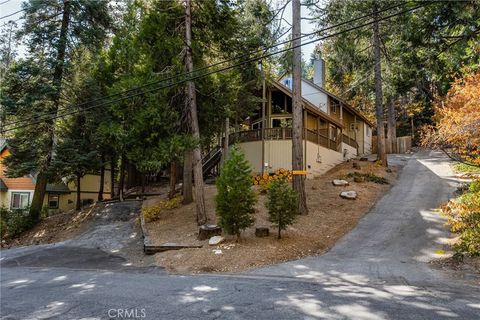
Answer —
(330, 218)
(56, 228)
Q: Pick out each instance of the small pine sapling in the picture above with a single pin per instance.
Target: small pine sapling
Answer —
(281, 204)
(235, 199)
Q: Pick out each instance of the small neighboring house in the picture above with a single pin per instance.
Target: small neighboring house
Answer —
(17, 193)
(333, 130)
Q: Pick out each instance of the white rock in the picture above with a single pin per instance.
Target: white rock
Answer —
(217, 251)
(349, 195)
(338, 182)
(216, 240)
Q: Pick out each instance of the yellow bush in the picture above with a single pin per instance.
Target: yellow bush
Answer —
(152, 213)
(173, 203)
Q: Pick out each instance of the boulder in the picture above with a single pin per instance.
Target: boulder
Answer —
(341, 183)
(351, 195)
(356, 165)
(262, 232)
(363, 159)
(208, 230)
(216, 240)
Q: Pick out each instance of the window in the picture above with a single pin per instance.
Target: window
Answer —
(334, 106)
(276, 123)
(53, 200)
(278, 102)
(20, 200)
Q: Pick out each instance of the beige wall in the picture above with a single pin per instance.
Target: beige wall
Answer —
(89, 186)
(349, 151)
(278, 154)
(320, 159)
(253, 153)
(367, 143)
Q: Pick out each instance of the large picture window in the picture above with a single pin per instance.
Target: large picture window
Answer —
(20, 200)
(53, 201)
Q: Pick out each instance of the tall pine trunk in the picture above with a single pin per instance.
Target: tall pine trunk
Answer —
(381, 155)
(297, 121)
(102, 178)
(121, 182)
(187, 187)
(191, 105)
(42, 178)
(225, 143)
(78, 205)
(392, 126)
(112, 177)
(173, 179)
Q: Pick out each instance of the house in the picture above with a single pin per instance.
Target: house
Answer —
(333, 130)
(17, 193)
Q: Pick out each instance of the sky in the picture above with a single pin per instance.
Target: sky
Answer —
(9, 6)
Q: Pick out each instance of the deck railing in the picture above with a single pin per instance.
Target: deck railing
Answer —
(350, 141)
(319, 137)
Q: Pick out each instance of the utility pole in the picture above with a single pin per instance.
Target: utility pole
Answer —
(297, 121)
(381, 155)
(191, 106)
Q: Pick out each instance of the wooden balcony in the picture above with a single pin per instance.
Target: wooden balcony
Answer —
(319, 137)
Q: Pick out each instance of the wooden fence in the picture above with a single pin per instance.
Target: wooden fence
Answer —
(400, 145)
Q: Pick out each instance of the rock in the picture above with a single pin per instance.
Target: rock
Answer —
(389, 170)
(314, 188)
(217, 251)
(262, 232)
(208, 230)
(341, 183)
(352, 195)
(356, 165)
(363, 159)
(216, 240)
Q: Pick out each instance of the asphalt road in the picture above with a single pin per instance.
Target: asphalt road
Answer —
(378, 271)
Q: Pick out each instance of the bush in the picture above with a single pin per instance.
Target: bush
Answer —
(173, 203)
(152, 213)
(474, 186)
(3, 228)
(235, 199)
(18, 221)
(368, 177)
(463, 216)
(282, 204)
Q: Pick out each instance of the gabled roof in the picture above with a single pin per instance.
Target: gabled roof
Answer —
(57, 188)
(307, 104)
(349, 107)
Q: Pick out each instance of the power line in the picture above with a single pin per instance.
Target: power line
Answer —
(11, 14)
(6, 1)
(210, 72)
(245, 55)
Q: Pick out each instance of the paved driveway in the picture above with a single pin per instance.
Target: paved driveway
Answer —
(378, 271)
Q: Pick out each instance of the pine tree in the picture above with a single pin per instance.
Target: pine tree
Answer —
(235, 199)
(281, 204)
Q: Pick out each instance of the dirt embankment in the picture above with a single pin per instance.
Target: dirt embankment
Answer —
(330, 217)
